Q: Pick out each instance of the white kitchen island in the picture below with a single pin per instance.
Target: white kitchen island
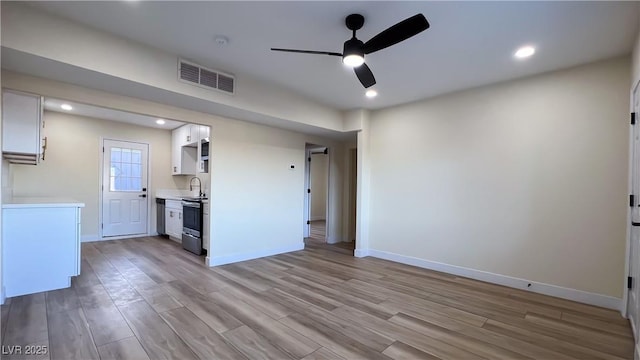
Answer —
(41, 244)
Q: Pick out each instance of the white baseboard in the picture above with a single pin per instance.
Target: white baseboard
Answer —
(332, 240)
(96, 237)
(361, 253)
(237, 257)
(585, 297)
(91, 237)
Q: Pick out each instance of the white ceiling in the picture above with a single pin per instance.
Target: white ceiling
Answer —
(51, 104)
(469, 43)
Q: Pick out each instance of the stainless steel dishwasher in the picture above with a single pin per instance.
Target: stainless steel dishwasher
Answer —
(160, 203)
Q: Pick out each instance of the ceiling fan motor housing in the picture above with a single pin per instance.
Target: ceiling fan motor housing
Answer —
(354, 22)
(353, 46)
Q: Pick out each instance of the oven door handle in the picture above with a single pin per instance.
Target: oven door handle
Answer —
(191, 205)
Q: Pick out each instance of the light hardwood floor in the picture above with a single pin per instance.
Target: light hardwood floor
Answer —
(147, 298)
(317, 240)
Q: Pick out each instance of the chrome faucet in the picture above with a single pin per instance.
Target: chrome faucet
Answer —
(201, 194)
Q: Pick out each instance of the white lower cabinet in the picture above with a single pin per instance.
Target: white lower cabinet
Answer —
(173, 219)
(42, 257)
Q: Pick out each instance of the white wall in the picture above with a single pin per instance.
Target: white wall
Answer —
(526, 179)
(72, 166)
(256, 198)
(635, 61)
(318, 186)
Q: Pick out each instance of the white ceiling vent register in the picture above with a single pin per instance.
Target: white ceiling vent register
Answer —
(211, 79)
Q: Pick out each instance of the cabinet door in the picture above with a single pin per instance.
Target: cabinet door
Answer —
(21, 121)
(176, 152)
(170, 220)
(193, 135)
(204, 132)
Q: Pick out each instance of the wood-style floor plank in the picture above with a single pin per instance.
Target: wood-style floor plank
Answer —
(280, 336)
(156, 337)
(203, 341)
(105, 321)
(87, 276)
(252, 345)
(159, 298)
(147, 298)
(547, 340)
(400, 351)
(70, 337)
(4, 319)
(61, 300)
(331, 339)
(207, 310)
(323, 354)
(27, 320)
(128, 348)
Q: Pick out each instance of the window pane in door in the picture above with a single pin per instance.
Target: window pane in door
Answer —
(136, 157)
(126, 170)
(126, 155)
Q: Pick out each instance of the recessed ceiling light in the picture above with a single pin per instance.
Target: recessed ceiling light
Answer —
(160, 122)
(371, 93)
(221, 40)
(524, 52)
(66, 107)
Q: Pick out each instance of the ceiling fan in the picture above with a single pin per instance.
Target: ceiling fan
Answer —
(354, 50)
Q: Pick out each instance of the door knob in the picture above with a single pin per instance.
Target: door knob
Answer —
(143, 195)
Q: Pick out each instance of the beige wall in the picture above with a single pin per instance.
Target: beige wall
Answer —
(72, 166)
(256, 199)
(526, 178)
(32, 31)
(318, 186)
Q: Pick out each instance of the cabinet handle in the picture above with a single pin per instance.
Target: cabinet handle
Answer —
(175, 169)
(188, 138)
(179, 216)
(170, 213)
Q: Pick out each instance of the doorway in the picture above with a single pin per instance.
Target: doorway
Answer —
(317, 192)
(633, 296)
(124, 188)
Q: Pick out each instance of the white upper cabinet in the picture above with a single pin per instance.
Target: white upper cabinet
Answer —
(21, 127)
(183, 158)
(186, 152)
(187, 135)
(204, 132)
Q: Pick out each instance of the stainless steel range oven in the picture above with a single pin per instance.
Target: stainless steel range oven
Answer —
(192, 225)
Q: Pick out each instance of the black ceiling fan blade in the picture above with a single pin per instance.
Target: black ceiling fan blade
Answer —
(365, 75)
(308, 52)
(397, 33)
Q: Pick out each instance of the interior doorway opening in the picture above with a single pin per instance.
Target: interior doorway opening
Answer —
(316, 193)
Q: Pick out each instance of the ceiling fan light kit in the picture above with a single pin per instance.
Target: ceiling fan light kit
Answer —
(352, 54)
(354, 50)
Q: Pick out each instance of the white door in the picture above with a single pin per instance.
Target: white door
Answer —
(633, 305)
(124, 190)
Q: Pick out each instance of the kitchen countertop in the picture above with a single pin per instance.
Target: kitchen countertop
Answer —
(179, 198)
(40, 202)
